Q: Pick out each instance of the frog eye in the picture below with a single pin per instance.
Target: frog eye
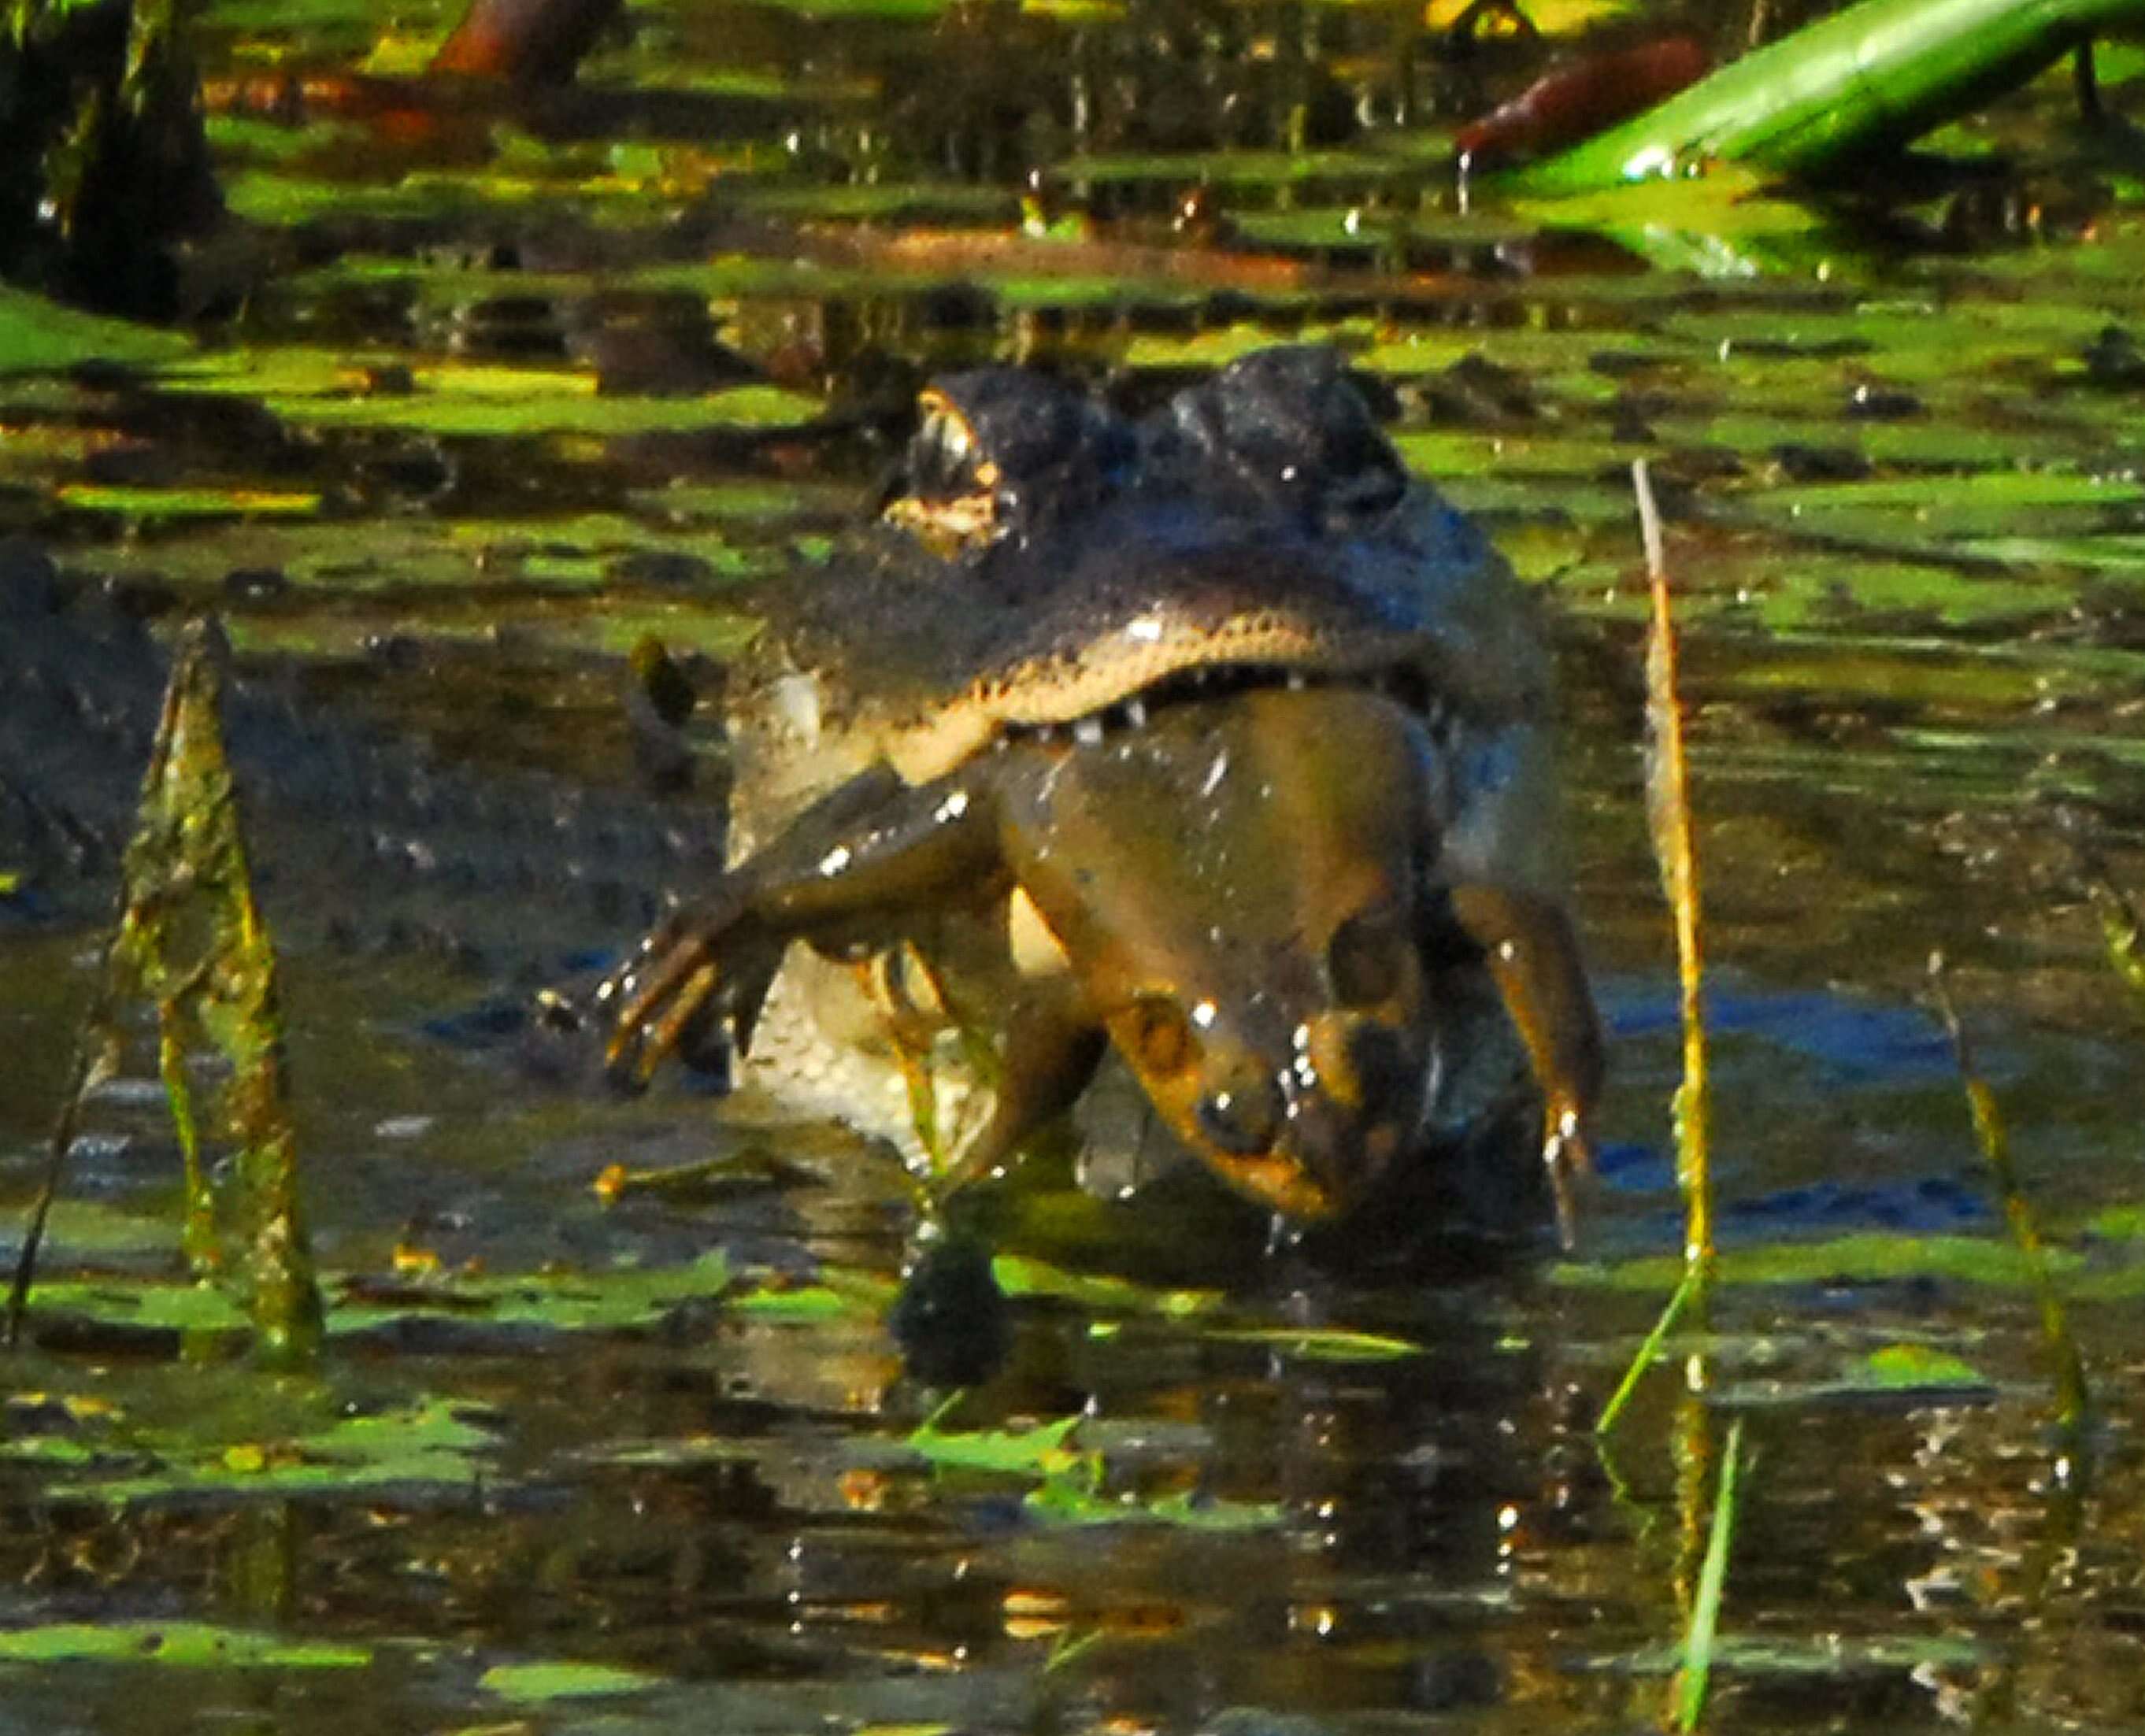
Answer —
(1363, 961)
(1158, 1035)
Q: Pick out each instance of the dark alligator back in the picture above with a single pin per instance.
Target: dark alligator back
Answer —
(361, 839)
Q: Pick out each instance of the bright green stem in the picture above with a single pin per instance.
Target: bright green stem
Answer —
(198, 1236)
(1870, 79)
(1649, 1352)
(1695, 1676)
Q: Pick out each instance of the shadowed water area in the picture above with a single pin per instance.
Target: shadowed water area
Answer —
(476, 398)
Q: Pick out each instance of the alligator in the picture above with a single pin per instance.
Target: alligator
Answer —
(1211, 745)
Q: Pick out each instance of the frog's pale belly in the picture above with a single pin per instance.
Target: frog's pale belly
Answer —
(822, 1048)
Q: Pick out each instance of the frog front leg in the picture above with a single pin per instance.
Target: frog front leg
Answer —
(842, 873)
(1533, 957)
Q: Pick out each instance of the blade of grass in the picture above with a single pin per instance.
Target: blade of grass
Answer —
(1649, 1351)
(2067, 1367)
(1676, 846)
(1695, 1676)
(1675, 849)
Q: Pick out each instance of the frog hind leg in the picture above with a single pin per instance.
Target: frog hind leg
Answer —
(1533, 955)
(841, 875)
(1051, 1049)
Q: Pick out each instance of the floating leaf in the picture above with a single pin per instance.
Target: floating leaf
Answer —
(1860, 1259)
(1913, 1365)
(185, 503)
(1044, 1450)
(172, 1645)
(1020, 1274)
(1322, 1344)
(598, 1301)
(430, 1443)
(36, 334)
(534, 1683)
(1062, 1503)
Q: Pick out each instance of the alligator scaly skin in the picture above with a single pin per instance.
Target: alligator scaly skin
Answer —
(361, 840)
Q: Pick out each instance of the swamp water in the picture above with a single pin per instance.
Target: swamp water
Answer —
(481, 404)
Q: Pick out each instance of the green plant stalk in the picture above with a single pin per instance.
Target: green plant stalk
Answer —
(1868, 80)
(1649, 1351)
(191, 939)
(197, 1239)
(1675, 849)
(2067, 1367)
(1695, 1675)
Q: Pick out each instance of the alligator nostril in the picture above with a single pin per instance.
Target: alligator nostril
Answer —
(1240, 1122)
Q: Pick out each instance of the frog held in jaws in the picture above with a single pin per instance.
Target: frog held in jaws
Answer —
(1210, 749)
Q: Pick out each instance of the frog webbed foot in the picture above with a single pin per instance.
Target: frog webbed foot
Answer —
(842, 874)
(706, 968)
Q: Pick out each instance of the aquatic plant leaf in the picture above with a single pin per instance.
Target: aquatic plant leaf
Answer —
(594, 1301)
(1022, 1275)
(333, 388)
(172, 1645)
(76, 1228)
(192, 941)
(1728, 205)
(1868, 79)
(538, 1683)
(153, 504)
(1913, 1365)
(1329, 1344)
(429, 1444)
(1869, 1257)
(1061, 1502)
(838, 1295)
(149, 1306)
(36, 334)
(1044, 1450)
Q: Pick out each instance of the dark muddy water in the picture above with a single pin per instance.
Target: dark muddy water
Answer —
(474, 403)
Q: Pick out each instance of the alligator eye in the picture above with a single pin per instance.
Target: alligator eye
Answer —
(1363, 962)
(1160, 1039)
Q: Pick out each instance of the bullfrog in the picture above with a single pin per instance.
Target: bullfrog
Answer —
(1209, 747)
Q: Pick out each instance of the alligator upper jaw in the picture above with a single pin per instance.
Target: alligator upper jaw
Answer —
(1089, 709)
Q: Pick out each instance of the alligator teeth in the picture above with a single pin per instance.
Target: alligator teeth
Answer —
(1297, 681)
(1088, 732)
(1134, 713)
